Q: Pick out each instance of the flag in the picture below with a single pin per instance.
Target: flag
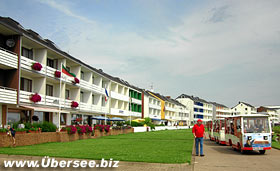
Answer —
(67, 72)
(106, 95)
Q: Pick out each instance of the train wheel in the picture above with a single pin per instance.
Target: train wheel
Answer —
(262, 151)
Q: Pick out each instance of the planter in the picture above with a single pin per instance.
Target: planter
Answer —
(3, 133)
(21, 132)
(33, 132)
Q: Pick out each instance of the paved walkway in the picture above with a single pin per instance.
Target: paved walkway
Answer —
(123, 166)
(221, 158)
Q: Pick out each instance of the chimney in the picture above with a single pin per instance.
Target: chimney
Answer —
(168, 97)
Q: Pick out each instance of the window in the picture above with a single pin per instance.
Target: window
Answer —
(67, 94)
(49, 90)
(256, 125)
(92, 97)
(13, 117)
(63, 117)
(82, 75)
(103, 101)
(82, 96)
(25, 84)
(28, 53)
(246, 108)
(92, 79)
(52, 63)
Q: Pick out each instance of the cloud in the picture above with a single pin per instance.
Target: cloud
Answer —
(211, 39)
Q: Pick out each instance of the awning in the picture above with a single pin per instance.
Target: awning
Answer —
(44, 109)
(139, 120)
(100, 118)
(155, 119)
(116, 119)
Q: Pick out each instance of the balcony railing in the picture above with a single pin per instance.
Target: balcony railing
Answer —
(155, 106)
(8, 58)
(119, 96)
(8, 95)
(92, 87)
(136, 101)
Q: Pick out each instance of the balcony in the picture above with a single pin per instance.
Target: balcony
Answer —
(92, 87)
(118, 96)
(8, 59)
(25, 97)
(121, 112)
(154, 106)
(136, 101)
(8, 95)
(170, 109)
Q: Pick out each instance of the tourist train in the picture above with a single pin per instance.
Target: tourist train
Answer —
(242, 132)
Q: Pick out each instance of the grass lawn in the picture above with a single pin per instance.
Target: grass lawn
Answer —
(276, 144)
(169, 146)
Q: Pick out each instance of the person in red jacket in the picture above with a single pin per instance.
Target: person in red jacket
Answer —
(198, 133)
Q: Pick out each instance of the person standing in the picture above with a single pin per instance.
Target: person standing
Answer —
(12, 133)
(198, 133)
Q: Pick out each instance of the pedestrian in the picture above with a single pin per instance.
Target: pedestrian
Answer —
(198, 133)
(12, 132)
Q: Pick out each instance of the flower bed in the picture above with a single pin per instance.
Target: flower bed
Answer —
(57, 74)
(74, 104)
(37, 66)
(35, 98)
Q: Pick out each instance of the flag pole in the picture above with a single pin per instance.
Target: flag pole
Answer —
(130, 101)
(60, 86)
(106, 105)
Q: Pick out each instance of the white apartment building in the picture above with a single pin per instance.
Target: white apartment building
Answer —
(62, 101)
(272, 111)
(199, 108)
(220, 110)
(165, 110)
(243, 108)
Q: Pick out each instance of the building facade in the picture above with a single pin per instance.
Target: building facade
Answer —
(243, 108)
(165, 110)
(199, 108)
(220, 110)
(272, 112)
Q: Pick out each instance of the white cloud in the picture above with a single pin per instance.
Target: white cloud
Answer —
(210, 38)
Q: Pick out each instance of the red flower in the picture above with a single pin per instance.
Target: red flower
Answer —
(35, 98)
(57, 74)
(71, 129)
(74, 104)
(76, 81)
(37, 66)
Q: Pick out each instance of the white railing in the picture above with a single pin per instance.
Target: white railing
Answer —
(50, 71)
(170, 109)
(136, 101)
(53, 101)
(25, 97)
(105, 109)
(119, 96)
(8, 58)
(27, 64)
(92, 87)
(154, 106)
(8, 95)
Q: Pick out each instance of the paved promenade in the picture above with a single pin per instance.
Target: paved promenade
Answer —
(224, 158)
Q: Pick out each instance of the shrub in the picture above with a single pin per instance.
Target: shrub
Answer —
(71, 129)
(20, 130)
(48, 127)
(3, 130)
(81, 129)
(119, 123)
(99, 127)
(107, 128)
(37, 66)
(88, 129)
(33, 129)
(276, 129)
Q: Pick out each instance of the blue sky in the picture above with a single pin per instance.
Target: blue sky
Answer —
(223, 51)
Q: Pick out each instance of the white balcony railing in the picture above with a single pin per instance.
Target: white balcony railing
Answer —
(119, 96)
(25, 97)
(170, 109)
(121, 112)
(154, 106)
(91, 87)
(8, 58)
(136, 101)
(8, 95)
